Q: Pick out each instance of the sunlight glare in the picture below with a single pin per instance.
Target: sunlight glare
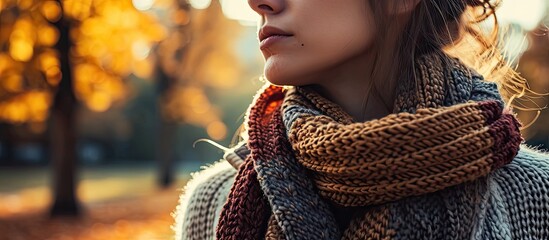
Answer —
(143, 5)
(140, 50)
(239, 10)
(200, 4)
(526, 13)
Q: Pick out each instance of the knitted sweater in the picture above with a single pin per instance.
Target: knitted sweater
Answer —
(511, 203)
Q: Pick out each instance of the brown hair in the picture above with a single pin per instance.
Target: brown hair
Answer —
(452, 27)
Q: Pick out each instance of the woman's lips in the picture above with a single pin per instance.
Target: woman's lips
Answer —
(273, 39)
(269, 35)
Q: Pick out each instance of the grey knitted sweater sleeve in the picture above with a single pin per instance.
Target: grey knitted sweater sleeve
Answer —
(519, 199)
(201, 202)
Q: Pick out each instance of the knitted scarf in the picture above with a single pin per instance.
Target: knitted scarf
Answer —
(307, 154)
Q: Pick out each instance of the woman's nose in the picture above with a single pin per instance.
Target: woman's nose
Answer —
(267, 7)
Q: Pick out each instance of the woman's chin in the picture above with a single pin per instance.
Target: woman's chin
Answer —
(277, 76)
(283, 77)
(281, 80)
(276, 81)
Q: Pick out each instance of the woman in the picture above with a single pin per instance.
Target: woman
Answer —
(373, 127)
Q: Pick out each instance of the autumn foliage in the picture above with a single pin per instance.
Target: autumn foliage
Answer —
(112, 40)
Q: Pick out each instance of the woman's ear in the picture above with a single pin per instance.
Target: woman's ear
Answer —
(399, 7)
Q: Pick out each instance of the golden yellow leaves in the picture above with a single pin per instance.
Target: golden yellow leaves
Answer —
(96, 88)
(140, 211)
(29, 67)
(31, 106)
(22, 40)
(51, 10)
(15, 75)
(47, 35)
(25, 4)
(210, 59)
(113, 41)
(24, 106)
(191, 105)
(31, 30)
(49, 64)
(78, 9)
(12, 83)
(112, 35)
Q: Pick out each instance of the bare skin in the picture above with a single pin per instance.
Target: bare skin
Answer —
(326, 45)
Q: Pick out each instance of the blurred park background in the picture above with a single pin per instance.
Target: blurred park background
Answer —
(101, 102)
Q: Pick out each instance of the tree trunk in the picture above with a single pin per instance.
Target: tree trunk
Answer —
(166, 134)
(167, 128)
(63, 133)
(8, 156)
(166, 152)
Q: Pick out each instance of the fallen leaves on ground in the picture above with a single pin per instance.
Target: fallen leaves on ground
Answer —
(141, 218)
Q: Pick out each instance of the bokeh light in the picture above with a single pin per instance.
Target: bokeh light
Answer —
(140, 50)
(22, 40)
(31, 106)
(51, 10)
(217, 130)
(526, 13)
(143, 5)
(200, 4)
(239, 10)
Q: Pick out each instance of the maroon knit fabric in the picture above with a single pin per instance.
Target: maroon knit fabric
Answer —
(246, 212)
(505, 131)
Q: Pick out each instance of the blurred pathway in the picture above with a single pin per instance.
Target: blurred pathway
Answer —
(119, 202)
(142, 218)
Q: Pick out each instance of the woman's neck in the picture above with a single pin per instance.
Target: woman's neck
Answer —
(352, 85)
(349, 86)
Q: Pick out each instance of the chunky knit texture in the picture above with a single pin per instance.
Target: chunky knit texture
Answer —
(402, 154)
(510, 203)
(198, 213)
(431, 172)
